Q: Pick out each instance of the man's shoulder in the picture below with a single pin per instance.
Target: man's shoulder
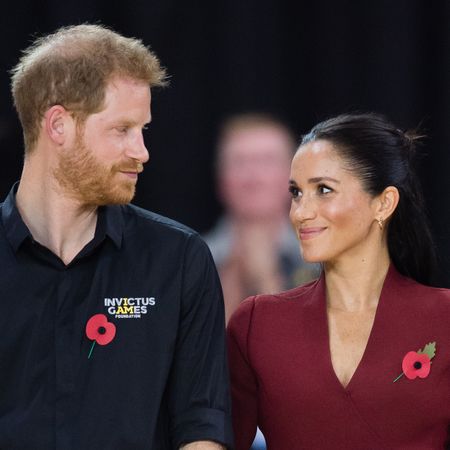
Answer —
(136, 216)
(144, 227)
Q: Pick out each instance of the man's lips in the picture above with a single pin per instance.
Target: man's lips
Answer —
(310, 232)
(131, 172)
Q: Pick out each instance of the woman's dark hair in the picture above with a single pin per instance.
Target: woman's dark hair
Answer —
(381, 155)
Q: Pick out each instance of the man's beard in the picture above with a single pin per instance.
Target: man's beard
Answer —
(85, 179)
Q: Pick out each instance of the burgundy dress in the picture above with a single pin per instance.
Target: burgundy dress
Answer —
(283, 380)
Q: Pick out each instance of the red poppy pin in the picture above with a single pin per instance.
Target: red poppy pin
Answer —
(418, 364)
(99, 330)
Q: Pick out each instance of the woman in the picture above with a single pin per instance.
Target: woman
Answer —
(359, 359)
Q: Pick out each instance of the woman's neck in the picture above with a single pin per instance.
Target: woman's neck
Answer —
(355, 284)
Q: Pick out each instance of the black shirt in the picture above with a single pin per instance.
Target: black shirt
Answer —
(161, 381)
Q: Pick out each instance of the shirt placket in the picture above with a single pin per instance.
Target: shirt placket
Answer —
(64, 373)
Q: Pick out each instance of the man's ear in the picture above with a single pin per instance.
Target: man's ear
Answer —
(387, 203)
(57, 124)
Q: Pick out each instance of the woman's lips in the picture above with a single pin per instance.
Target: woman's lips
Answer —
(310, 233)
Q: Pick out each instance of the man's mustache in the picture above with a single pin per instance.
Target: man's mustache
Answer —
(137, 168)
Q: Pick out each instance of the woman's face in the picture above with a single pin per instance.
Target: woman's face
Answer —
(331, 213)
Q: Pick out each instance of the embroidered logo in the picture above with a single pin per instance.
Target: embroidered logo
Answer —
(129, 307)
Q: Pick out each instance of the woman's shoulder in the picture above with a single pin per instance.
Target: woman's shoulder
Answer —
(415, 301)
(421, 292)
(267, 306)
(296, 294)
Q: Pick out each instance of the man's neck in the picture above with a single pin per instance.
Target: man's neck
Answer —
(56, 221)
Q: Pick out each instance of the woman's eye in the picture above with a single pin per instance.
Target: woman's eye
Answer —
(295, 192)
(324, 189)
(122, 130)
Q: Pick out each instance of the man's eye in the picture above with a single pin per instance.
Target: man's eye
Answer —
(122, 130)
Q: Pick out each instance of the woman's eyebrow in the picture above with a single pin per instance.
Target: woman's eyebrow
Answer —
(319, 179)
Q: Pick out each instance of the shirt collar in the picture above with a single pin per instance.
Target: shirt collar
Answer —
(15, 229)
(109, 222)
(111, 218)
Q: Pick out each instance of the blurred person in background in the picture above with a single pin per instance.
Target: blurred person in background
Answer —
(253, 243)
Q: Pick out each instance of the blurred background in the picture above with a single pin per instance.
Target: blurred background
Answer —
(301, 60)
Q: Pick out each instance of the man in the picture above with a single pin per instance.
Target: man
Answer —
(253, 244)
(80, 267)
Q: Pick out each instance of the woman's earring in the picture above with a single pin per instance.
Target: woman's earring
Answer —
(380, 222)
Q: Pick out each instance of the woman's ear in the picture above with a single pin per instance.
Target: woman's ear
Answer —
(387, 203)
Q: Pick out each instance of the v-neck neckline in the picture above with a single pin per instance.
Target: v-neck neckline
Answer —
(372, 335)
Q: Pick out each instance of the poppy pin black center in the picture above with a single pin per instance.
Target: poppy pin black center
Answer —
(417, 365)
(102, 330)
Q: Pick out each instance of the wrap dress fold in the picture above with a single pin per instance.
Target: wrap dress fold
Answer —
(283, 379)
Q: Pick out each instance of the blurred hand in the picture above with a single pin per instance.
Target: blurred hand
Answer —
(253, 266)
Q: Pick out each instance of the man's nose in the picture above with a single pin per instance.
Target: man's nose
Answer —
(137, 149)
